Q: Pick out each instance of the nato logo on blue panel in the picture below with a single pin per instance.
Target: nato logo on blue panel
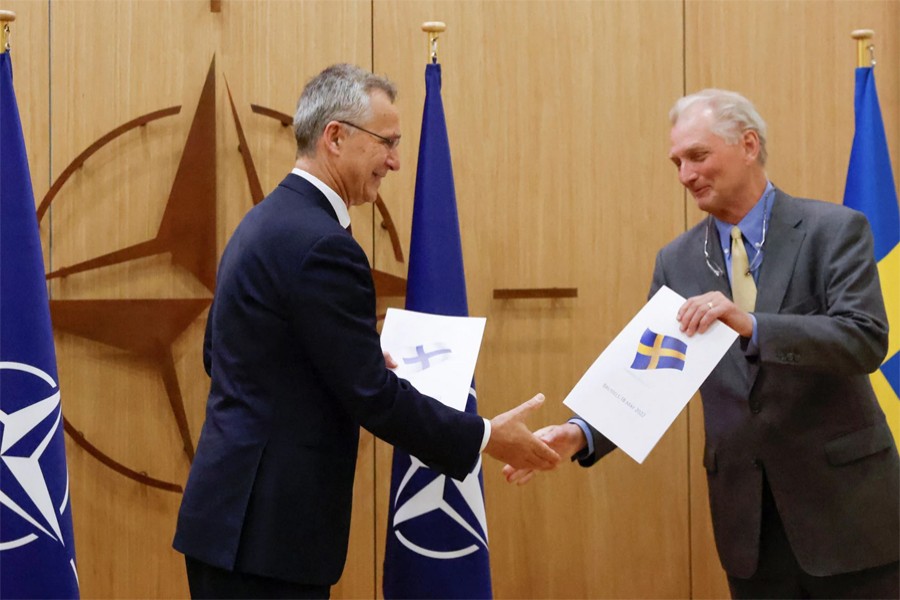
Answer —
(658, 351)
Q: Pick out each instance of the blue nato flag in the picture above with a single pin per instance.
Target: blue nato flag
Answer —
(437, 530)
(871, 190)
(37, 546)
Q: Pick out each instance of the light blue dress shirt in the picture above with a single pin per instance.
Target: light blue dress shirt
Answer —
(751, 226)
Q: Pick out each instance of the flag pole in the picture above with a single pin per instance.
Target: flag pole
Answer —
(865, 56)
(6, 17)
(433, 28)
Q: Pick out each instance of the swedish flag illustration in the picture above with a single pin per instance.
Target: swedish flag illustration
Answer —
(657, 351)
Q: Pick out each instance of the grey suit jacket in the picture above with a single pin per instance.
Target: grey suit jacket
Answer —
(802, 410)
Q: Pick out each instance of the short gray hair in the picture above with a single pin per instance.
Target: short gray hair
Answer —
(339, 93)
(732, 115)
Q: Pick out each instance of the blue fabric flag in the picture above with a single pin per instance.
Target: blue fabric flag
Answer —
(657, 351)
(437, 530)
(37, 546)
(871, 190)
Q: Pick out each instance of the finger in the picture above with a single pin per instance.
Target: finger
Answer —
(521, 411)
(710, 317)
(546, 434)
(516, 475)
(688, 305)
(699, 312)
(687, 313)
(389, 360)
(546, 457)
(526, 478)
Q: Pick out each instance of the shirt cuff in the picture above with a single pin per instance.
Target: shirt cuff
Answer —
(487, 434)
(753, 346)
(589, 450)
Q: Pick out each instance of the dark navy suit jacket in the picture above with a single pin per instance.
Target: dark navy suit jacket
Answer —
(802, 411)
(296, 367)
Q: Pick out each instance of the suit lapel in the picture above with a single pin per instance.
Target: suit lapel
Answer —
(709, 281)
(782, 245)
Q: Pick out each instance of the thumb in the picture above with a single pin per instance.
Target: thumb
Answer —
(521, 412)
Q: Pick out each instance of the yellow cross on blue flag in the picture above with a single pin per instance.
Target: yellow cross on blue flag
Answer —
(657, 351)
(870, 190)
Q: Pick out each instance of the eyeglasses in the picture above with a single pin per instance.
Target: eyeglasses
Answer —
(389, 143)
(757, 260)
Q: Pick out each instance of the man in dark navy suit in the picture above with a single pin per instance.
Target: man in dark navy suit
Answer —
(296, 368)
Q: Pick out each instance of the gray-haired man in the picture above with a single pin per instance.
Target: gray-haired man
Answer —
(296, 368)
(801, 465)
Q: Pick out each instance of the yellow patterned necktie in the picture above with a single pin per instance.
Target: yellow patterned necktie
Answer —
(743, 288)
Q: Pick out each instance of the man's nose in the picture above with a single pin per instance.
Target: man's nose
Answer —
(686, 174)
(393, 159)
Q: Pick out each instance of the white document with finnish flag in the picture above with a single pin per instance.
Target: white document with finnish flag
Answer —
(436, 354)
(641, 381)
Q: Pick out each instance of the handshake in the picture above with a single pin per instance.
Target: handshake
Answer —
(525, 452)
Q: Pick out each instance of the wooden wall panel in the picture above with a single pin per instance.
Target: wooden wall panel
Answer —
(795, 61)
(558, 135)
(154, 55)
(269, 50)
(30, 52)
(557, 119)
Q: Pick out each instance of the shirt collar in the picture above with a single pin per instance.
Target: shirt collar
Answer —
(751, 225)
(340, 209)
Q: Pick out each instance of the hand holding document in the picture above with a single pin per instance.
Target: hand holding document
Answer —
(435, 353)
(641, 381)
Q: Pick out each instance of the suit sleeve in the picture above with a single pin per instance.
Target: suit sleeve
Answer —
(335, 324)
(602, 444)
(843, 330)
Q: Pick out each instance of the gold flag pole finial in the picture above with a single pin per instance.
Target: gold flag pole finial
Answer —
(433, 28)
(864, 43)
(6, 17)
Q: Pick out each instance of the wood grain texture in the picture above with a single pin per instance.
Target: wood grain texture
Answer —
(557, 119)
(156, 54)
(795, 61)
(558, 141)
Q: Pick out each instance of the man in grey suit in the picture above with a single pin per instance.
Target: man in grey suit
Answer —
(801, 465)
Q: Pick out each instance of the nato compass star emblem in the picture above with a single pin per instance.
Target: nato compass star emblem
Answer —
(145, 329)
(427, 502)
(26, 434)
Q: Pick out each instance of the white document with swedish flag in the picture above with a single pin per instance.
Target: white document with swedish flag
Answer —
(641, 381)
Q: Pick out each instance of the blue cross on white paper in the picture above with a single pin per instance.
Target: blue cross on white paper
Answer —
(423, 358)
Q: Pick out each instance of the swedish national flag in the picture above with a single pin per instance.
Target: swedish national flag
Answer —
(657, 351)
(870, 189)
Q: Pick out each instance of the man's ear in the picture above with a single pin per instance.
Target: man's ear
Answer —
(750, 143)
(333, 136)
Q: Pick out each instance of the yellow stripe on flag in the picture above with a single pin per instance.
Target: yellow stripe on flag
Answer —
(889, 273)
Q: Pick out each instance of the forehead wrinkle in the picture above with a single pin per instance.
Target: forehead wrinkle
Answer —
(693, 147)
